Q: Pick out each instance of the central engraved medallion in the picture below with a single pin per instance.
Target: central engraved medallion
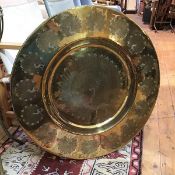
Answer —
(88, 87)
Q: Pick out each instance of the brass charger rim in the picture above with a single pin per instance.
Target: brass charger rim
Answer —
(131, 123)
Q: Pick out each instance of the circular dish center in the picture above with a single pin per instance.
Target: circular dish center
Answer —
(88, 88)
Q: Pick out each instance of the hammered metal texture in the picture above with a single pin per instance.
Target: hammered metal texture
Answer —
(85, 82)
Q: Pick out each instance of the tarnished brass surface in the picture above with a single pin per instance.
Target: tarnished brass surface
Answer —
(85, 82)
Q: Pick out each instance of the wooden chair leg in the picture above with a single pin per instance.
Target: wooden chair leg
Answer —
(10, 136)
(172, 29)
(1, 167)
(6, 116)
(4, 106)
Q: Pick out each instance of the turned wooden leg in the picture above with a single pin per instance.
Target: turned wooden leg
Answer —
(1, 167)
(4, 105)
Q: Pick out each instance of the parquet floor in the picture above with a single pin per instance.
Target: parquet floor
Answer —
(159, 132)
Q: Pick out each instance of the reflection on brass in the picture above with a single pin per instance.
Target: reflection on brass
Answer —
(91, 87)
(85, 82)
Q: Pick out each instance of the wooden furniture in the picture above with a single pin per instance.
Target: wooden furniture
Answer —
(7, 45)
(4, 104)
(154, 7)
(172, 11)
(160, 14)
(1, 167)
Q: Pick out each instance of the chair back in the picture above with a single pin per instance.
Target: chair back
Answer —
(77, 3)
(162, 11)
(57, 6)
(86, 2)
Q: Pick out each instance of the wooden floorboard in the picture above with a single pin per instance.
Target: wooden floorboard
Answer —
(159, 132)
(151, 151)
(164, 101)
(167, 145)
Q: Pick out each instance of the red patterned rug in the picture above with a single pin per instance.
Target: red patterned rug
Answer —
(28, 159)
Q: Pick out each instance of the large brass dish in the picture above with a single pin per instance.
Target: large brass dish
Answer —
(85, 82)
